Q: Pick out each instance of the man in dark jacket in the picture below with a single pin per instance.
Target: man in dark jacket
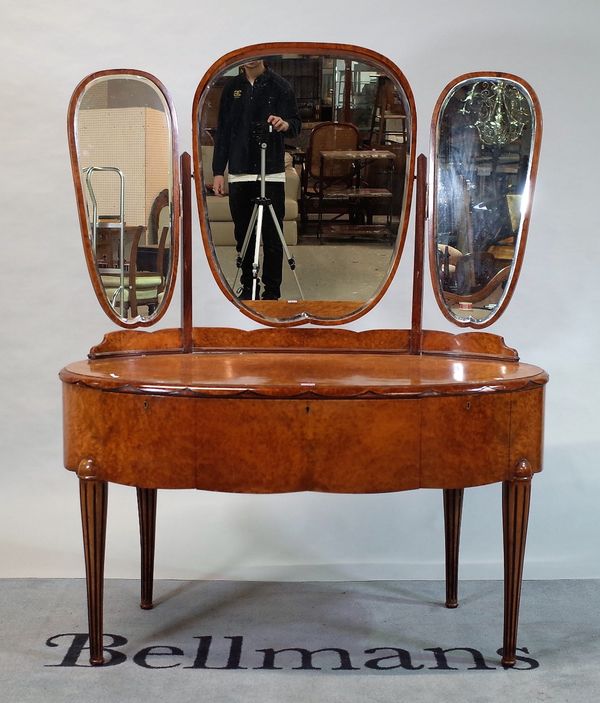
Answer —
(257, 97)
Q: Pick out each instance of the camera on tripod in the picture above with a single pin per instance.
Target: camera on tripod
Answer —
(261, 131)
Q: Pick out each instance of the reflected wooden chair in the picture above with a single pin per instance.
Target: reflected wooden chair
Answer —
(388, 118)
(328, 136)
(447, 259)
(142, 288)
(477, 279)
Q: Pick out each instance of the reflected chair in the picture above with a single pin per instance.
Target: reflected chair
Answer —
(388, 116)
(316, 178)
(477, 280)
(161, 201)
(142, 287)
(447, 260)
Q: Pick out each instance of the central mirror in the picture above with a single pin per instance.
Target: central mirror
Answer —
(303, 162)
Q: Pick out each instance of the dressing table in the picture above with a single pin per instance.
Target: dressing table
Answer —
(323, 408)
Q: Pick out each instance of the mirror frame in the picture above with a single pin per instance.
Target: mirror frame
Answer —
(327, 314)
(81, 209)
(532, 174)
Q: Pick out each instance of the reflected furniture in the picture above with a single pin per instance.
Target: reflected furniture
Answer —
(325, 136)
(358, 194)
(388, 121)
(282, 408)
(145, 284)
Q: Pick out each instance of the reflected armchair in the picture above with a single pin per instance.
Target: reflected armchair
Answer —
(328, 136)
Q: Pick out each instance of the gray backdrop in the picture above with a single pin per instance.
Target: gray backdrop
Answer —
(51, 316)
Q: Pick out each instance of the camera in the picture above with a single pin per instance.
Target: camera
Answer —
(260, 131)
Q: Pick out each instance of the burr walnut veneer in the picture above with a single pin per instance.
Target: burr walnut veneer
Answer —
(324, 410)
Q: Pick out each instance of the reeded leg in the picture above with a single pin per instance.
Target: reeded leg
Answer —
(453, 500)
(515, 513)
(147, 515)
(94, 499)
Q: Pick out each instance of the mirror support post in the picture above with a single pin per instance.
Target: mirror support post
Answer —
(186, 252)
(416, 331)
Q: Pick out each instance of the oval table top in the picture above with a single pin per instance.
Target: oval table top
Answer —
(293, 374)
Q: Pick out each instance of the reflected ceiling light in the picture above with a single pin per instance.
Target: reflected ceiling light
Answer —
(501, 110)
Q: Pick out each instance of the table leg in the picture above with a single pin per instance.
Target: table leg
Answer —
(146, 498)
(93, 496)
(516, 494)
(453, 500)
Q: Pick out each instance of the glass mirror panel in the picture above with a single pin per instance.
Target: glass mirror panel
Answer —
(124, 163)
(484, 142)
(337, 179)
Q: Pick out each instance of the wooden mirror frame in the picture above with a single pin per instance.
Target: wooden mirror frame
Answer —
(533, 166)
(81, 209)
(320, 312)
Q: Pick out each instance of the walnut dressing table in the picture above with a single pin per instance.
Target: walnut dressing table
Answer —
(322, 409)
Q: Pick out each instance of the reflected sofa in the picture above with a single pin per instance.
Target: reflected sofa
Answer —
(219, 214)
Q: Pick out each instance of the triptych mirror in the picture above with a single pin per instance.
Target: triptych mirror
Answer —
(334, 127)
(125, 160)
(485, 138)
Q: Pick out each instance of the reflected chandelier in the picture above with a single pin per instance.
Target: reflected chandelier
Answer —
(502, 111)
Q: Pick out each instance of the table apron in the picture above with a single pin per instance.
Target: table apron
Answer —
(282, 445)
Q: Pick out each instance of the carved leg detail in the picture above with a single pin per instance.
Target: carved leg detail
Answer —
(93, 496)
(147, 515)
(515, 513)
(453, 500)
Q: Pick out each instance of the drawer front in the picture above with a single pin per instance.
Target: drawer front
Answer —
(251, 446)
(134, 439)
(465, 440)
(364, 446)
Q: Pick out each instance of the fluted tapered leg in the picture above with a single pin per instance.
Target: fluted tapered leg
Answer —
(94, 499)
(515, 513)
(147, 515)
(453, 500)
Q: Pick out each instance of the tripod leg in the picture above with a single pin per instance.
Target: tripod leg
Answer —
(290, 259)
(248, 235)
(257, 251)
(240, 257)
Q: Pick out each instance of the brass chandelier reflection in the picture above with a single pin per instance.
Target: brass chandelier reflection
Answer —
(501, 111)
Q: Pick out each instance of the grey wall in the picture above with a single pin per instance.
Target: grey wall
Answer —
(51, 316)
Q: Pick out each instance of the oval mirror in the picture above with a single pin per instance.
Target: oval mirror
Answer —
(123, 144)
(304, 155)
(485, 136)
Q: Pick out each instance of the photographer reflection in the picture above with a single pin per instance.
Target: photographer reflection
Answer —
(251, 101)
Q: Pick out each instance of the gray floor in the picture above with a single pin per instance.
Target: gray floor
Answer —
(329, 271)
(43, 632)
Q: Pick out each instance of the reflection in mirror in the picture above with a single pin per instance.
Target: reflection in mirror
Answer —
(124, 152)
(484, 145)
(335, 175)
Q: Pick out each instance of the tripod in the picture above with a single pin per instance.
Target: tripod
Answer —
(256, 219)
